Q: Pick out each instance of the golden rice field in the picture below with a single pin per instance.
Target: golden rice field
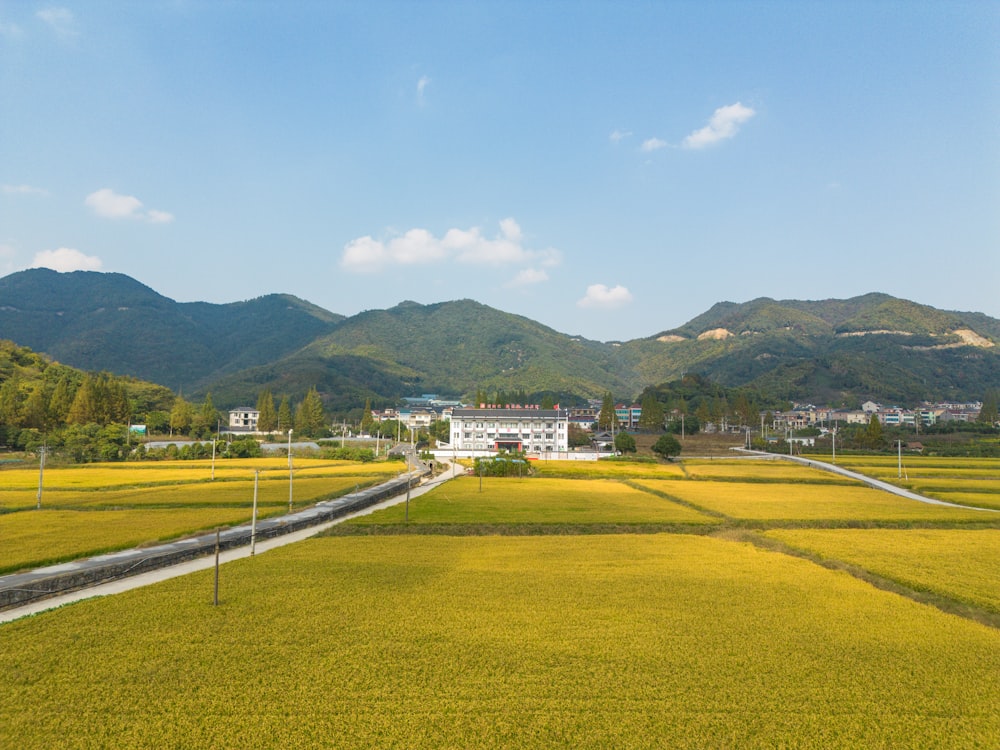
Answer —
(553, 636)
(751, 469)
(102, 507)
(272, 490)
(978, 499)
(606, 469)
(108, 475)
(887, 467)
(38, 538)
(537, 500)
(783, 501)
(601, 641)
(963, 565)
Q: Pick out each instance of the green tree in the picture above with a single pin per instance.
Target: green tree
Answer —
(652, 417)
(180, 416)
(548, 402)
(206, 419)
(607, 418)
(36, 410)
(157, 422)
(367, 420)
(703, 413)
(440, 430)
(284, 415)
(577, 437)
(86, 407)
(666, 446)
(873, 435)
(11, 399)
(62, 398)
(267, 419)
(309, 417)
(988, 412)
(624, 443)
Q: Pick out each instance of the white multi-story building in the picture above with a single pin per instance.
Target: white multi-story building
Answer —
(243, 419)
(530, 430)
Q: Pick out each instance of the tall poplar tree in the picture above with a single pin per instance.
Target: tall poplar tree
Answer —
(608, 417)
(285, 415)
(366, 417)
(652, 417)
(309, 417)
(267, 419)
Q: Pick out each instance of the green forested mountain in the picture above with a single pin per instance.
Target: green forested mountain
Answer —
(827, 351)
(832, 351)
(109, 321)
(451, 348)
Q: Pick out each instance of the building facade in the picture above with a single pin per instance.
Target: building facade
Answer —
(538, 431)
(243, 419)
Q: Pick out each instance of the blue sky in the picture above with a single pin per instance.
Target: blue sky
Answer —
(608, 169)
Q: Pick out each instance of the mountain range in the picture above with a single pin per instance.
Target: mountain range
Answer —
(830, 351)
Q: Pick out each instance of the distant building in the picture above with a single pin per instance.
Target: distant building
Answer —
(530, 430)
(243, 419)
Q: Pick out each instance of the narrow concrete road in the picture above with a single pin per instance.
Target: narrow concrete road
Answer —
(870, 481)
(203, 563)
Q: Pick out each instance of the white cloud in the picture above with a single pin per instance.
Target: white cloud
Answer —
(421, 86)
(159, 217)
(66, 259)
(724, 123)
(653, 144)
(605, 298)
(60, 20)
(529, 276)
(23, 190)
(110, 205)
(470, 246)
(619, 135)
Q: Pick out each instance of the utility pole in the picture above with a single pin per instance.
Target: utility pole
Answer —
(253, 517)
(216, 602)
(289, 470)
(41, 473)
(900, 467)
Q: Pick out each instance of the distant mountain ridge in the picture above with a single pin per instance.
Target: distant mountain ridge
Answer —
(109, 321)
(832, 351)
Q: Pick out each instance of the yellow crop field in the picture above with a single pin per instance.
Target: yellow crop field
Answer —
(963, 565)
(107, 475)
(761, 470)
(942, 484)
(607, 641)
(100, 507)
(805, 502)
(35, 538)
(978, 499)
(606, 469)
(272, 489)
(942, 462)
(537, 500)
